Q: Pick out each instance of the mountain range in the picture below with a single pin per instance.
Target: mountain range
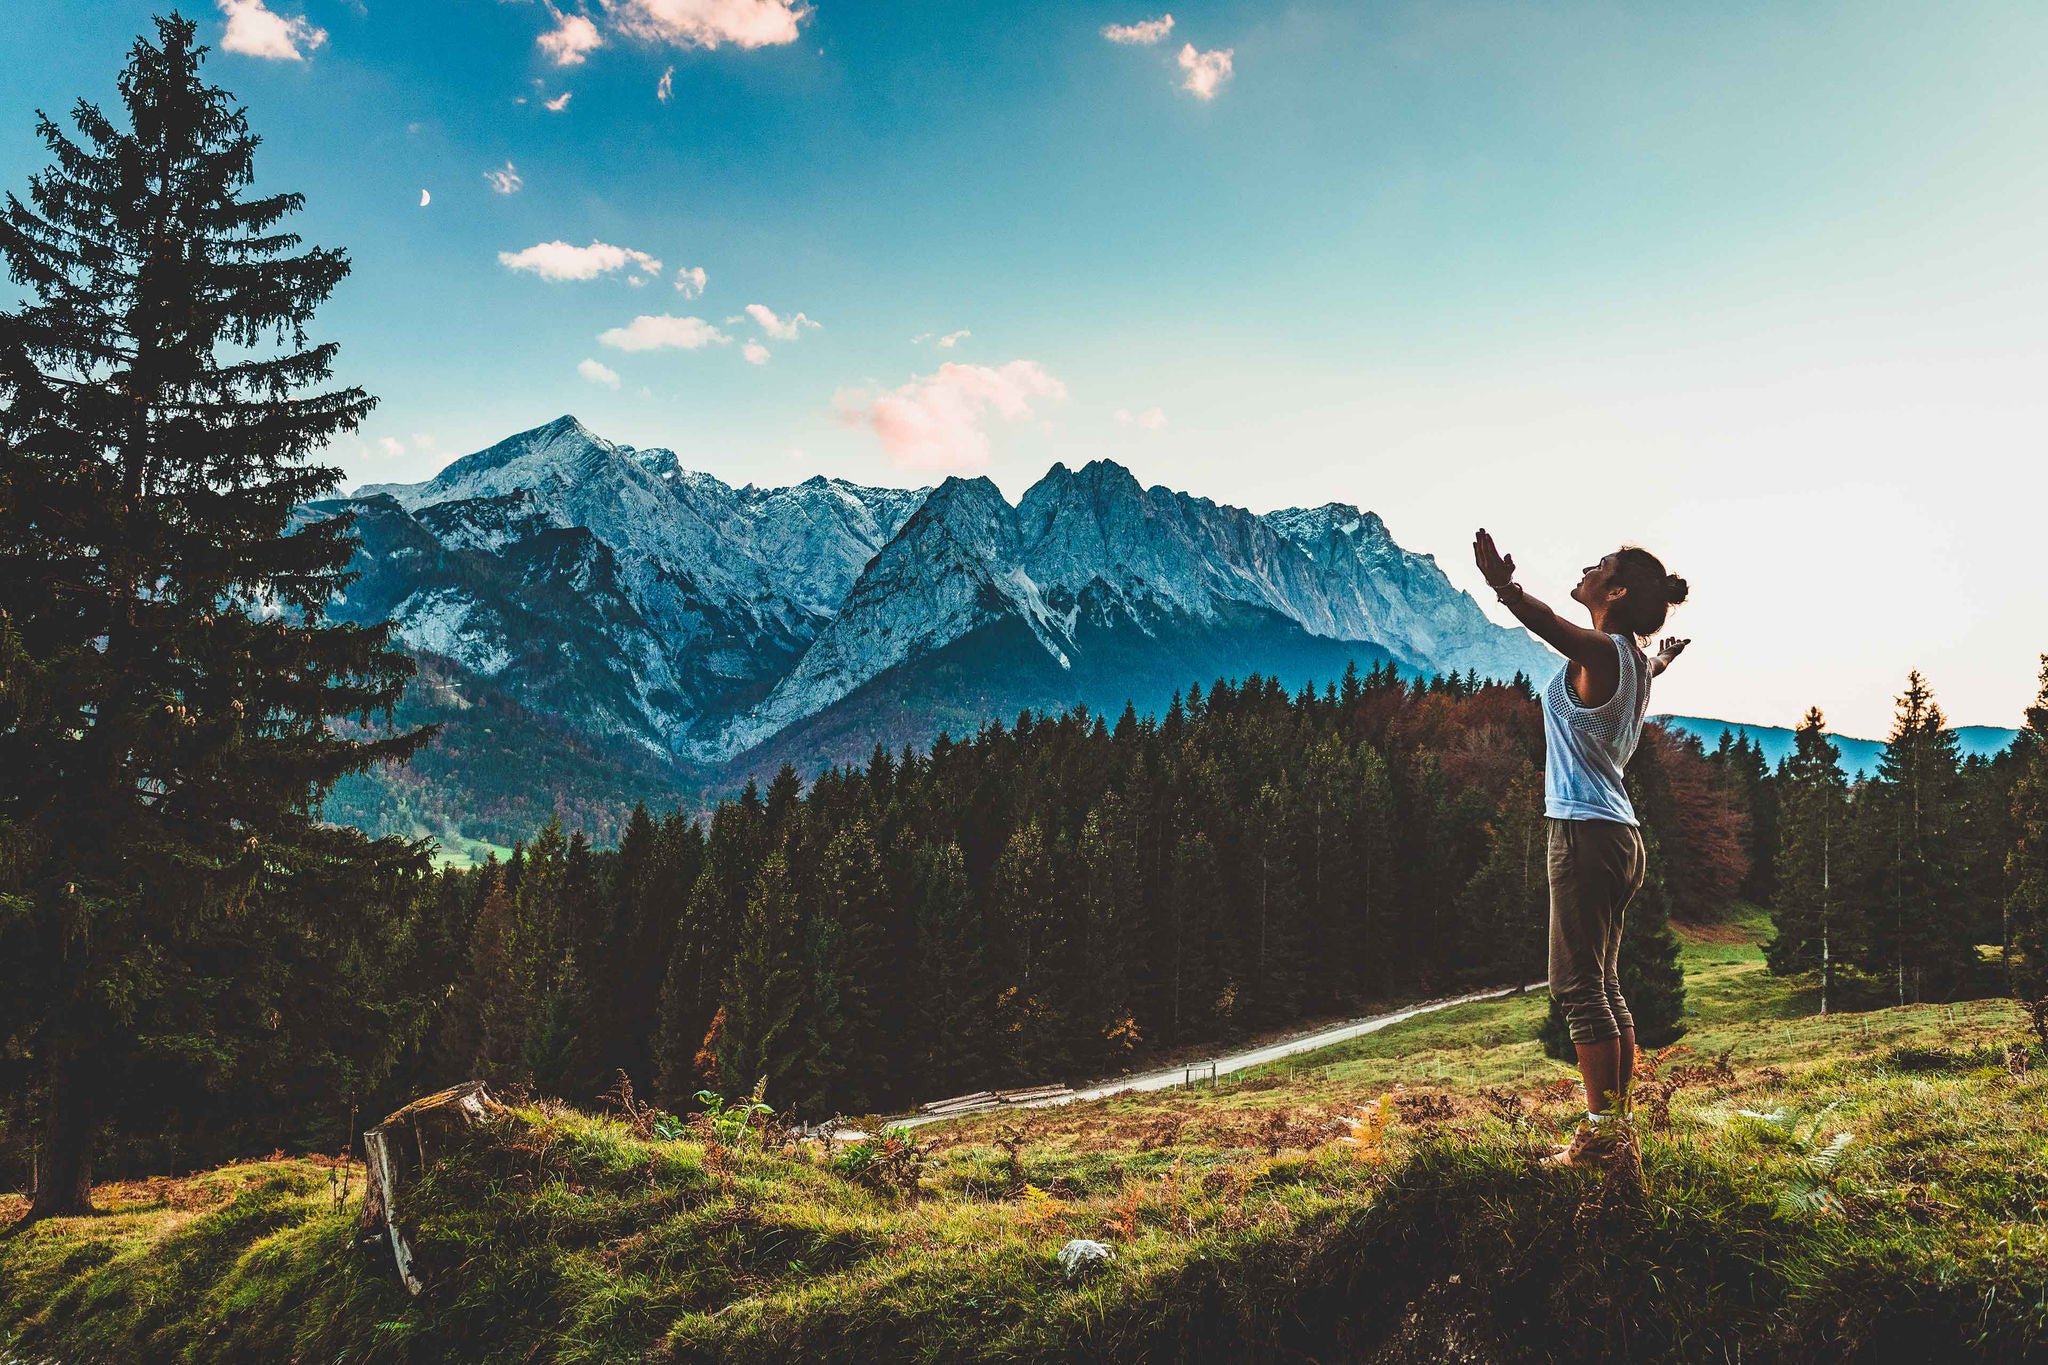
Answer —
(683, 634)
(1858, 757)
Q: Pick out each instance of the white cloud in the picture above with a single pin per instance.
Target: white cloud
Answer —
(952, 339)
(254, 31)
(1148, 31)
(391, 447)
(558, 261)
(1151, 419)
(598, 373)
(1206, 70)
(784, 329)
(506, 180)
(666, 88)
(755, 352)
(559, 102)
(690, 281)
(935, 422)
(571, 40)
(663, 332)
(707, 23)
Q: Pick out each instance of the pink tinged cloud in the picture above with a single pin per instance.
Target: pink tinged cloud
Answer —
(709, 23)
(662, 332)
(253, 31)
(559, 102)
(690, 281)
(1147, 31)
(571, 40)
(755, 352)
(1207, 71)
(783, 329)
(558, 261)
(935, 422)
(597, 372)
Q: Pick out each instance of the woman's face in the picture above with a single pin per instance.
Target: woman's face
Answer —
(1594, 582)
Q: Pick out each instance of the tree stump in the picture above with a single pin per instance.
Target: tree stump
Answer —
(409, 1141)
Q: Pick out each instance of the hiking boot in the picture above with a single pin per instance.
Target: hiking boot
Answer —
(1591, 1145)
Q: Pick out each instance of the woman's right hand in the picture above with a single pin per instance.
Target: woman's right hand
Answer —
(1494, 567)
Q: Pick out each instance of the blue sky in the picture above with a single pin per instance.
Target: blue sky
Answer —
(1758, 285)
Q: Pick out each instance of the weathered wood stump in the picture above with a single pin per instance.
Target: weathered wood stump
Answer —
(409, 1141)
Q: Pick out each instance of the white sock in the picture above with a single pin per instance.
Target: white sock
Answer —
(1595, 1119)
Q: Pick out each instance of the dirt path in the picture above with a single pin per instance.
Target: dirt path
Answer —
(1167, 1077)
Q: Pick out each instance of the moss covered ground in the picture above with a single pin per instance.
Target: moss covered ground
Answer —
(1864, 1186)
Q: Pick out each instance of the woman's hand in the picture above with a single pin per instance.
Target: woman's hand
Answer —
(1668, 648)
(1494, 567)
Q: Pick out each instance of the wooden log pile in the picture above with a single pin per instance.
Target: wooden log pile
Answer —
(982, 1100)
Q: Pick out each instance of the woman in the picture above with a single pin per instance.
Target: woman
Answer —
(1593, 713)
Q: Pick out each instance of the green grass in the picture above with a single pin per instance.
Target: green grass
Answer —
(1241, 1231)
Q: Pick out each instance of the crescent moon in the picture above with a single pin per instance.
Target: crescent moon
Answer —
(425, 199)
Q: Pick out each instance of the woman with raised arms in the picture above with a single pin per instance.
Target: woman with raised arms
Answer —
(1593, 710)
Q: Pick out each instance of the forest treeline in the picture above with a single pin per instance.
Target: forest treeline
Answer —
(1055, 898)
(1059, 898)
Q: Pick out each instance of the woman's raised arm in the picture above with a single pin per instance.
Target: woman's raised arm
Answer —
(1588, 648)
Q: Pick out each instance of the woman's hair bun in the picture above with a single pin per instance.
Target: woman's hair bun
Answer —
(1674, 589)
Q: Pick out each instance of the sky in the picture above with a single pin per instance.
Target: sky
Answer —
(1759, 286)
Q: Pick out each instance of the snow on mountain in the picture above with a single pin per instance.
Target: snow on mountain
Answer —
(1092, 548)
(734, 583)
(619, 593)
(1402, 598)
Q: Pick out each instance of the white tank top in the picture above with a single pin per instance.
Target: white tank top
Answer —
(1586, 747)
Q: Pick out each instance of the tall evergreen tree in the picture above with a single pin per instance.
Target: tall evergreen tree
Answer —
(1919, 933)
(1507, 903)
(763, 987)
(843, 943)
(952, 995)
(159, 404)
(2026, 902)
(1808, 909)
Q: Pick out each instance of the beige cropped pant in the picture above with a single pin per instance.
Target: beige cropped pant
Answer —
(1596, 868)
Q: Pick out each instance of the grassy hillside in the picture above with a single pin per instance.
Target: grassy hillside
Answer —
(1862, 1186)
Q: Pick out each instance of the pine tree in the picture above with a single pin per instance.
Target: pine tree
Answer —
(2026, 902)
(1919, 934)
(1807, 909)
(1027, 913)
(1275, 970)
(1506, 914)
(158, 405)
(952, 998)
(762, 986)
(702, 942)
(1114, 899)
(496, 998)
(843, 944)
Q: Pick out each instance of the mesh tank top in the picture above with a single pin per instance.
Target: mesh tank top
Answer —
(1585, 747)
